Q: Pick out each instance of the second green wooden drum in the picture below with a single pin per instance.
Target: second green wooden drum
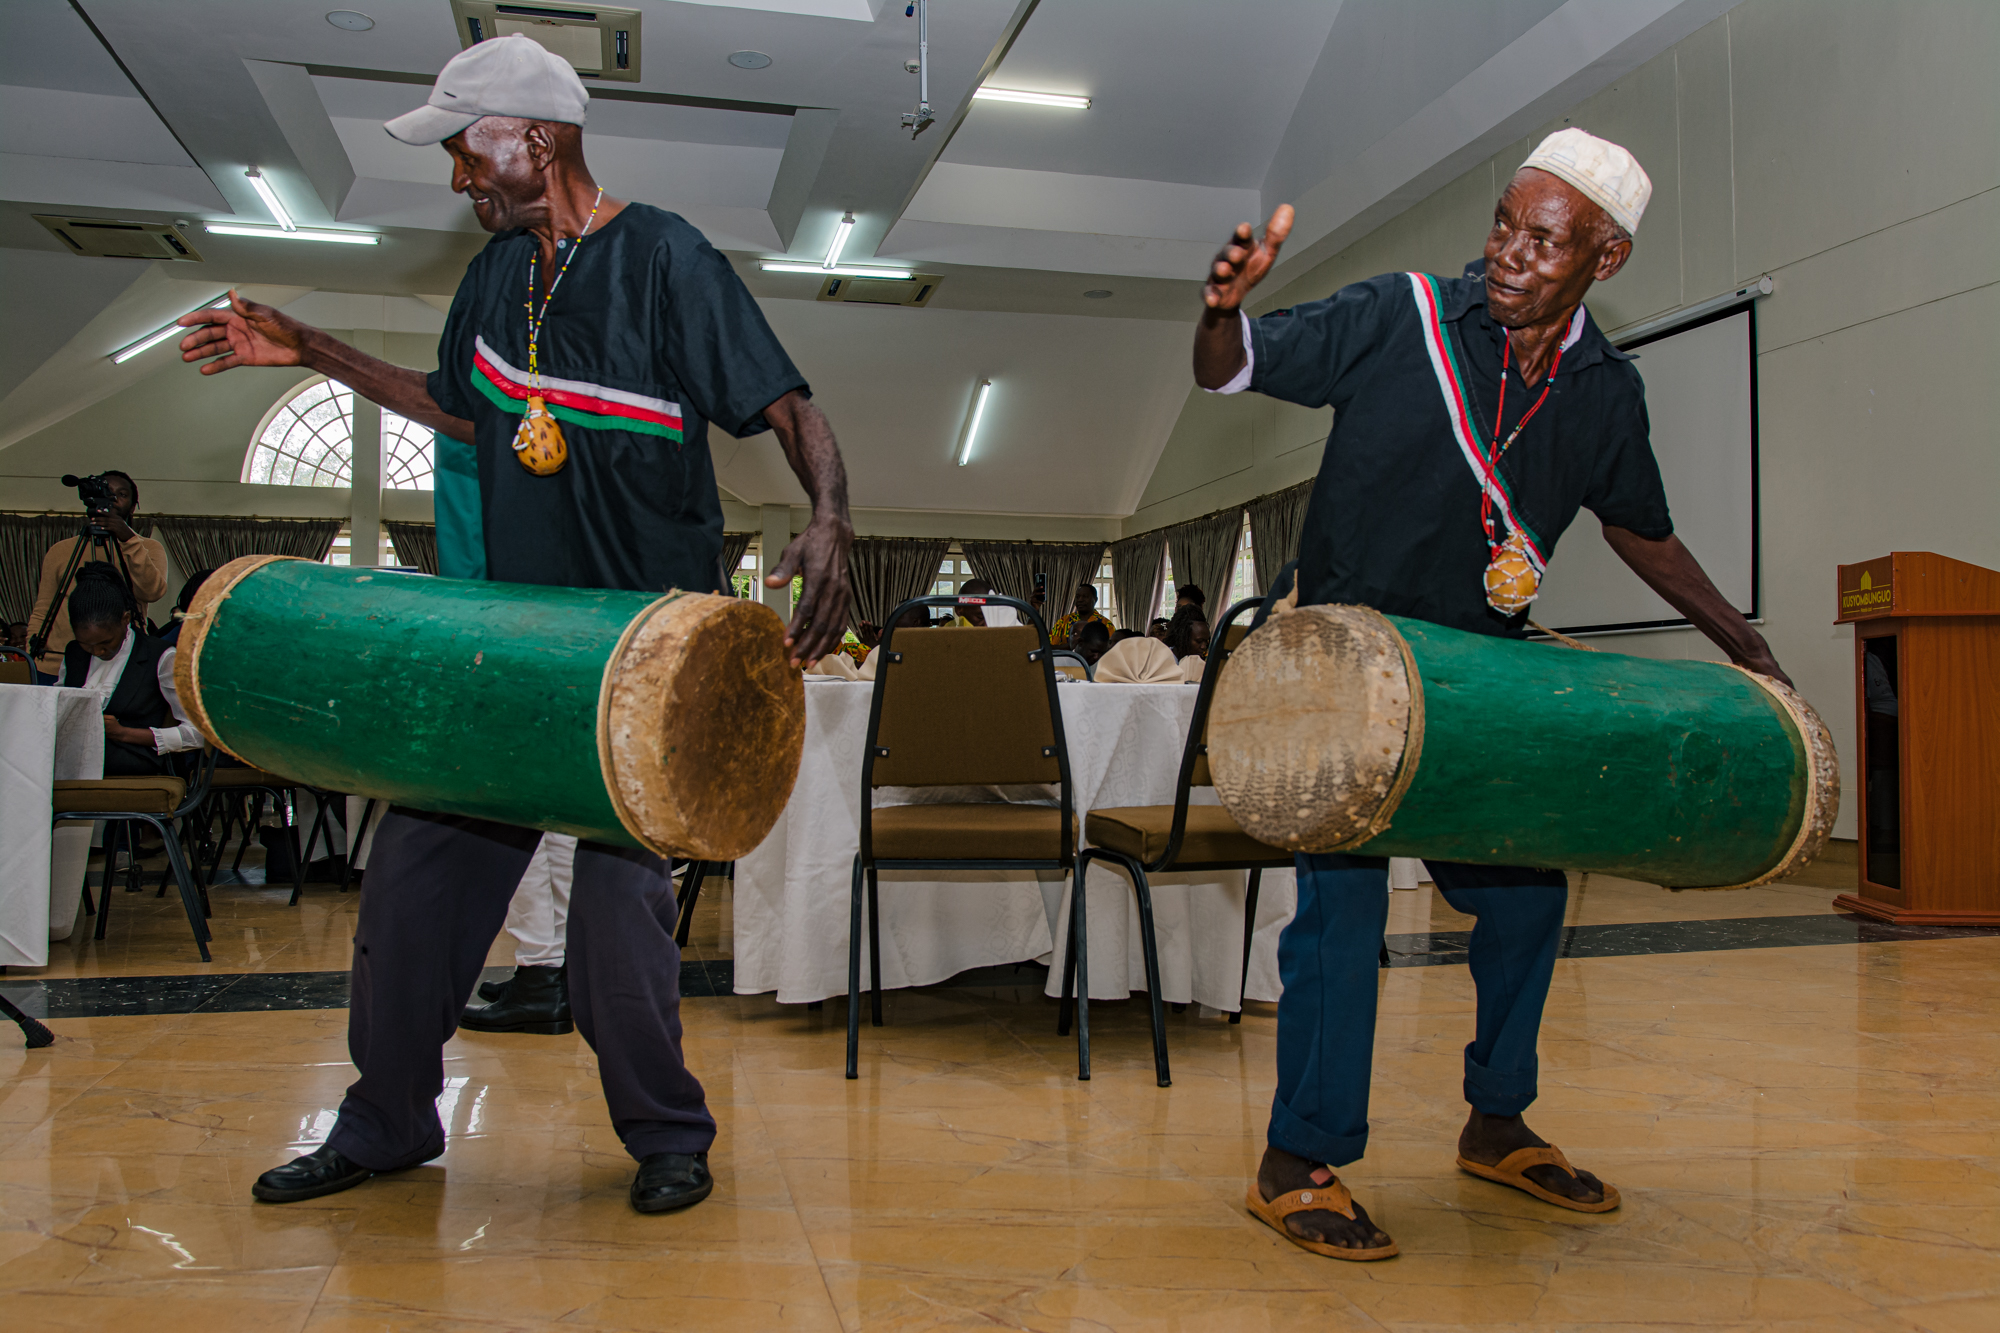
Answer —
(1337, 728)
(670, 723)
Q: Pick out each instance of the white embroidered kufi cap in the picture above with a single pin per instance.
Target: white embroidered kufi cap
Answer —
(1606, 174)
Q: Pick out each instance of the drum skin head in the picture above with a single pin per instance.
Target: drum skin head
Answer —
(1315, 730)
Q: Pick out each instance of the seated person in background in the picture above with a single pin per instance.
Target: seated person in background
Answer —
(1158, 628)
(867, 634)
(1083, 611)
(973, 617)
(917, 617)
(172, 633)
(143, 719)
(1091, 641)
(1119, 636)
(1186, 595)
(1187, 633)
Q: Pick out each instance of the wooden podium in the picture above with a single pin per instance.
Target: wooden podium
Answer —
(1927, 704)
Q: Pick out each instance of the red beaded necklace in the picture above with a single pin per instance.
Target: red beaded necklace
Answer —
(1492, 462)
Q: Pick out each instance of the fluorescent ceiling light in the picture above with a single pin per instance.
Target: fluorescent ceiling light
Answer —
(972, 422)
(893, 274)
(296, 234)
(1032, 99)
(840, 235)
(158, 336)
(270, 198)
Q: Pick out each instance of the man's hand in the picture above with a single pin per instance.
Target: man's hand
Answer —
(108, 520)
(244, 334)
(1242, 264)
(1671, 570)
(1239, 266)
(114, 730)
(820, 552)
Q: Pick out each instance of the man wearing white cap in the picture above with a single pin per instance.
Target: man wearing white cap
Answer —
(1473, 418)
(587, 349)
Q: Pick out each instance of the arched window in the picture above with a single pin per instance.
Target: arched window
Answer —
(307, 439)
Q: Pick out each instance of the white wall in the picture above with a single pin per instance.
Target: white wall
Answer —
(1849, 148)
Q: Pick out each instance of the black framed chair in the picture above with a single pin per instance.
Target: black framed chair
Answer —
(162, 800)
(1158, 839)
(955, 707)
(1071, 663)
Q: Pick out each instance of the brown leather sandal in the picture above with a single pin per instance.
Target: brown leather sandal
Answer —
(1512, 1170)
(1331, 1197)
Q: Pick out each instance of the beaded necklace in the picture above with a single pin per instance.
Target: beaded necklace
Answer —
(539, 442)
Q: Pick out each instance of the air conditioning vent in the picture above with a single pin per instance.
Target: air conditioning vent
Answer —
(598, 42)
(109, 238)
(917, 289)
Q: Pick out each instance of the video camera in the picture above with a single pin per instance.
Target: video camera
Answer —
(94, 491)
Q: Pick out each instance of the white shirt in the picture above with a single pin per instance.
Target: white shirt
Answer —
(103, 678)
(1241, 379)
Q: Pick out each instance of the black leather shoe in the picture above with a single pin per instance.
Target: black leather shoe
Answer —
(490, 991)
(669, 1180)
(537, 1000)
(323, 1171)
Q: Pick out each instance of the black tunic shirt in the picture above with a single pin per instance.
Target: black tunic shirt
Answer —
(649, 337)
(1394, 520)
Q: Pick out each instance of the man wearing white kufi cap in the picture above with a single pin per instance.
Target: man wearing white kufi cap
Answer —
(1474, 417)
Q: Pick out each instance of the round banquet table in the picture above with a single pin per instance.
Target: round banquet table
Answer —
(792, 893)
(46, 732)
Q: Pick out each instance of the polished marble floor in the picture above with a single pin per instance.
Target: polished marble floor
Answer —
(1805, 1137)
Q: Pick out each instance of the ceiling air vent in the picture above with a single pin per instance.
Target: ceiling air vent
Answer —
(108, 238)
(598, 42)
(917, 289)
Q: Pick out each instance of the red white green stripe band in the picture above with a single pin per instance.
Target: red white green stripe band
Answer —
(573, 401)
(1453, 385)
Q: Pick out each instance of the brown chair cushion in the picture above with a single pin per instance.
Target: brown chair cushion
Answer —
(987, 831)
(1212, 837)
(247, 777)
(140, 796)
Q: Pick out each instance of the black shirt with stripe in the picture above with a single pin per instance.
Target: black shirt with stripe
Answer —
(649, 338)
(1394, 522)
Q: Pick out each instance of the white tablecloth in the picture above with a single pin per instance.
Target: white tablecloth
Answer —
(792, 892)
(46, 733)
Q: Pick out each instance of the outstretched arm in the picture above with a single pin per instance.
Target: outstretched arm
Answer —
(820, 552)
(1239, 266)
(249, 334)
(1671, 570)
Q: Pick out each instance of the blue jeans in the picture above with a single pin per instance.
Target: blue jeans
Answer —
(1328, 961)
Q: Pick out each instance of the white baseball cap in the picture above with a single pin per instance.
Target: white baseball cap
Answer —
(502, 76)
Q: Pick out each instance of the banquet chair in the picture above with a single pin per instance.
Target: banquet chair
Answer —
(164, 802)
(1159, 839)
(240, 793)
(952, 709)
(1071, 663)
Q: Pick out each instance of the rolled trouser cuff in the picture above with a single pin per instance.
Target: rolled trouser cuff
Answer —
(1290, 1134)
(1500, 1092)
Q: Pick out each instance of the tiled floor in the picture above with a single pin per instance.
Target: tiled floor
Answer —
(1805, 1139)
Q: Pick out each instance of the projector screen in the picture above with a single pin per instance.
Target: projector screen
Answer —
(1701, 394)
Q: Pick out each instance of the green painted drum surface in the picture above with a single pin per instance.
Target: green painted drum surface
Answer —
(456, 696)
(1674, 772)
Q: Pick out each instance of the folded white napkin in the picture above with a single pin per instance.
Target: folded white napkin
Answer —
(1191, 669)
(836, 664)
(1139, 662)
(867, 671)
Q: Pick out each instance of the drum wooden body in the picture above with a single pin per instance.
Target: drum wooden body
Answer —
(671, 723)
(1337, 728)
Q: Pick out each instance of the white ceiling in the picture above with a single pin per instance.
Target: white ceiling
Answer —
(1203, 115)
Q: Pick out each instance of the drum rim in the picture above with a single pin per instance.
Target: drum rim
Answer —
(1822, 802)
(196, 622)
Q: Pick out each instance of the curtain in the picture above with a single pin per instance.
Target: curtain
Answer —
(734, 544)
(1277, 521)
(1011, 568)
(1204, 554)
(198, 542)
(888, 571)
(24, 540)
(415, 543)
(1138, 568)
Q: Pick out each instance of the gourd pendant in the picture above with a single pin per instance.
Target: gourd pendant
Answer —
(539, 442)
(1511, 580)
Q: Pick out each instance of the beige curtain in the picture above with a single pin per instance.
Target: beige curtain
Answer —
(203, 542)
(1138, 569)
(888, 571)
(734, 544)
(1068, 564)
(1008, 566)
(416, 543)
(1204, 554)
(1011, 568)
(1277, 521)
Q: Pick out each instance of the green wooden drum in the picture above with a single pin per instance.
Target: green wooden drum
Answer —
(671, 723)
(1337, 728)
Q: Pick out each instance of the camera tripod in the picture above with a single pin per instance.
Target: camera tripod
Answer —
(89, 538)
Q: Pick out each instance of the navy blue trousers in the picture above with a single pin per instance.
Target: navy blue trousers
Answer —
(437, 893)
(1328, 959)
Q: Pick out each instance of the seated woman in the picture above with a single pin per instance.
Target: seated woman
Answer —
(1187, 633)
(143, 719)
